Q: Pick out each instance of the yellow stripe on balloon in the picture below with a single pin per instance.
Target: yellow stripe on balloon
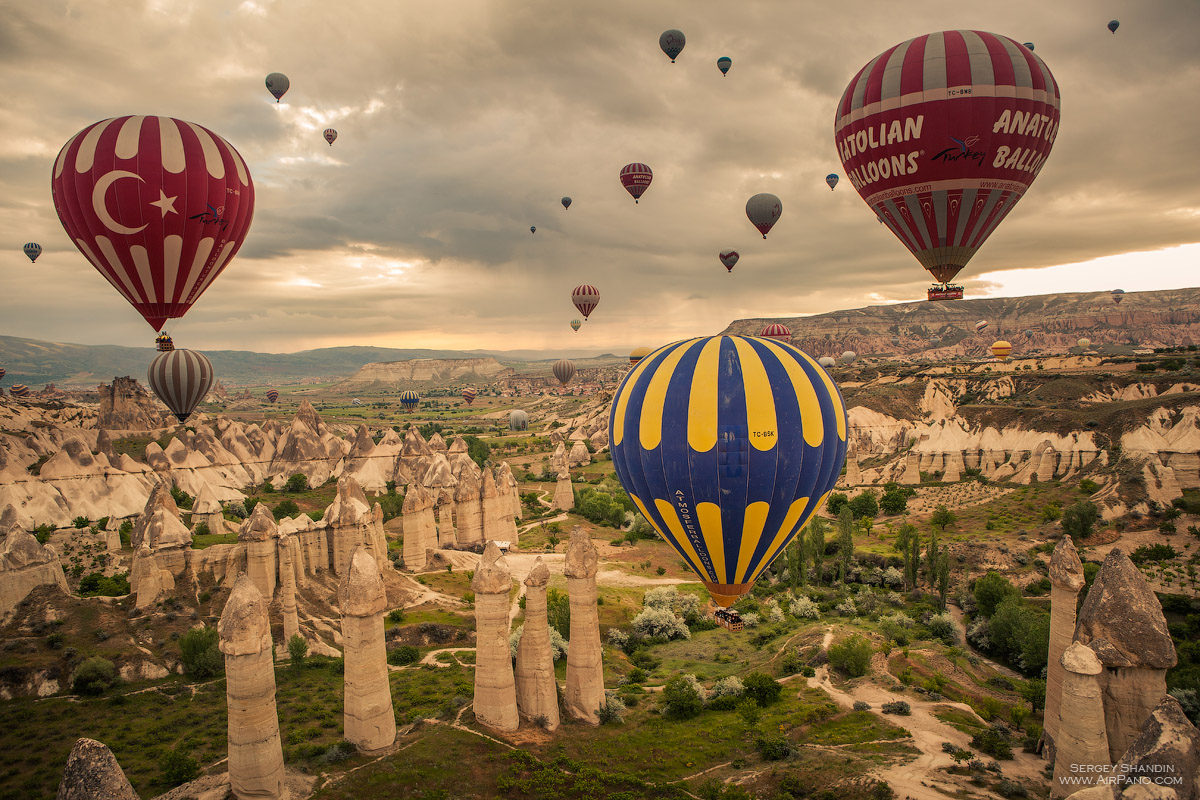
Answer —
(811, 420)
(752, 528)
(709, 517)
(760, 400)
(694, 561)
(839, 411)
(702, 403)
(655, 399)
(678, 535)
(795, 511)
(623, 399)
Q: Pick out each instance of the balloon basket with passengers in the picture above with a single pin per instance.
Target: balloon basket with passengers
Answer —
(945, 291)
(728, 618)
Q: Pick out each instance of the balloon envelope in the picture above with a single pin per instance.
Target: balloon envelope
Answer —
(728, 445)
(3, 372)
(763, 211)
(1001, 349)
(33, 250)
(638, 354)
(1028, 44)
(469, 395)
(272, 395)
(776, 331)
(564, 370)
(827, 362)
(181, 379)
(566, 201)
(330, 136)
(672, 43)
(1085, 342)
(724, 63)
(277, 85)
(832, 180)
(408, 399)
(19, 390)
(585, 297)
(575, 324)
(981, 326)
(533, 229)
(1118, 295)
(185, 201)
(942, 135)
(849, 356)
(518, 420)
(636, 178)
(728, 258)
(1113, 25)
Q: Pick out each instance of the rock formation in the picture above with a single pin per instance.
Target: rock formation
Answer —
(92, 773)
(288, 550)
(1168, 745)
(1066, 579)
(468, 508)
(159, 525)
(206, 508)
(1081, 741)
(537, 691)
(369, 719)
(258, 534)
(495, 686)
(25, 565)
(420, 528)
(126, 406)
(579, 455)
(498, 523)
(147, 580)
(351, 521)
(564, 493)
(1122, 621)
(255, 750)
(585, 666)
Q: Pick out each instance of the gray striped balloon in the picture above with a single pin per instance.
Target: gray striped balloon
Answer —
(181, 379)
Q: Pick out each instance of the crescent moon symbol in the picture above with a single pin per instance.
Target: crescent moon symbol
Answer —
(100, 207)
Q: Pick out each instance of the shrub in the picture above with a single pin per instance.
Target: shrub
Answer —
(851, 656)
(993, 742)
(731, 686)
(42, 533)
(396, 616)
(177, 767)
(286, 508)
(941, 626)
(654, 622)
(1079, 519)
(864, 505)
(94, 676)
(860, 705)
(990, 591)
(682, 698)
(804, 608)
(81, 522)
(773, 747)
(898, 707)
(296, 483)
(762, 688)
(181, 498)
(297, 649)
(613, 710)
(403, 655)
(749, 711)
(97, 584)
(200, 653)
(835, 502)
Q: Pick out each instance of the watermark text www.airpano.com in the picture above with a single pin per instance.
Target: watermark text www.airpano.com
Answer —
(1121, 774)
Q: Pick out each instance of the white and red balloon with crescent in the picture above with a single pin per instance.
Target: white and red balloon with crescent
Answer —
(159, 207)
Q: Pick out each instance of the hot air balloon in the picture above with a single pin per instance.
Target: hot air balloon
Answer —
(1117, 295)
(518, 420)
(981, 326)
(1028, 333)
(942, 135)
(330, 136)
(1001, 349)
(566, 201)
(636, 179)
(409, 399)
(356, 402)
(3, 372)
(586, 298)
(469, 395)
(163, 343)
(1085, 343)
(827, 362)
(849, 357)
(638, 354)
(272, 395)
(575, 324)
(1028, 44)
(181, 379)
(19, 390)
(776, 331)
(728, 445)
(1112, 25)
(763, 211)
(832, 180)
(33, 250)
(723, 64)
(672, 43)
(728, 258)
(564, 370)
(277, 85)
(185, 201)
(533, 229)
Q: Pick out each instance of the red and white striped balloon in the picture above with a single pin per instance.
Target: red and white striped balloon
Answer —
(586, 298)
(636, 179)
(776, 331)
(181, 379)
(159, 206)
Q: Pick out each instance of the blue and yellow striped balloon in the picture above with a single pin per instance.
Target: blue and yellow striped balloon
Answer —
(409, 399)
(728, 445)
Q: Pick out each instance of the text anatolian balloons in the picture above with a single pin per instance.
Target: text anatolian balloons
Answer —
(763, 211)
(943, 134)
(564, 370)
(277, 85)
(728, 258)
(636, 178)
(672, 43)
(159, 206)
(330, 136)
(181, 379)
(586, 298)
(33, 250)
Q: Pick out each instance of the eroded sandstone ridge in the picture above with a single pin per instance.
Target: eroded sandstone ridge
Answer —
(495, 685)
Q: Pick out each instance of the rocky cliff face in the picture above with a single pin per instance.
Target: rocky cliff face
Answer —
(126, 406)
(424, 370)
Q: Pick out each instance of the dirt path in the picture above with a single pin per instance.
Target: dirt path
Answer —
(960, 624)
(431, 656)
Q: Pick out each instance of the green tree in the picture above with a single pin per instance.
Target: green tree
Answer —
(942, 518)
(681, 700)
(1079, 518)
(943, 578)
(286, 508)
(94, 676)
(200, 653)
(297, 649)
(477, 449)
(796, 560)
(931, 559)
(864, 505)
(867, 524)
(894, 501)
(835, 502)
(845, 530)
(991, 590)
(177, 767)
(296, 483)
(851, 656)
(762, 688)
(558, 610)
(816, 547)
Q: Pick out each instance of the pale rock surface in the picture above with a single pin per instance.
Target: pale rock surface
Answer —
(1082, 741)
(564, 493)
(537, 691)
(585, 666)
(207, 508)
(25, 565)
(1066, 579)
(506, 483)
(912, 472)
(558, 460)
(257, 534)
(92, 773)
(954, 467)
(468, 508)
(420, 527)
(495, 685)
(437, 444)
(351, 520)
(368, 717)
(579, 456)
(288, 550)
(147, 581)
(498, 523)
(126, 406)
(159, 526)
(1167, 745)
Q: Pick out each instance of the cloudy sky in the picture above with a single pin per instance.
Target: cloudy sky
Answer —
(462, 123)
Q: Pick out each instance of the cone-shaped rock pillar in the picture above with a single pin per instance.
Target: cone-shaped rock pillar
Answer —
(1082, 742)
(564, 493)
(255, 751)
(1066, 579)
(258, 534)
(468, 508)
(585, 665)
(420, 531)
(537, 692)
(92, 773)
(288, 548)
(495, 686)
(369, 719)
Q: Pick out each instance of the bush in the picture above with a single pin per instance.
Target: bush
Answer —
(660, 623)
(835, 502)
(851, 656)
(200, 653)
(613, 710)
(1079, 519)
(898, 707)
(773, 747)
(81, 522)
(94, 676)
(993, 742)
(731, 686)
(286, 508)
(860, 705)
(894, 502)
(681, 698)
(804, 608)
(395, 616)
(864, 505)
(403, 655)
(177, 767)
(42, 533)
(97, 584)
(297, 649)
(762, 688)
(296, 483)
(181, 498)
(990, 590)
(941, 626)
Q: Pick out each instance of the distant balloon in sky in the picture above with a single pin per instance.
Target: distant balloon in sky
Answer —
(575, 324)
(724, 63)
(832, 180)
(776, 331)
(181, 379)
(763, 211)
(1028, 44)
(533, 229)
(277, 85)
(3, 372)
(272, 396)
(849, 357)
(981, 326)
(1001, 349)
(469, 395)
(586, 298)
(163, 343)
(728, 258)
(518, 420)
(638, 354)
(827, 362)
(566, 201)
(636, 179)
(1028, 333)
(728, 445)
(564, 370)
(408, 399)
(33, 250)
(330, 136)
(1113, 25)
(1118, 295)
(185, 201)
(942, 135)
(672, 43)
(19, 390)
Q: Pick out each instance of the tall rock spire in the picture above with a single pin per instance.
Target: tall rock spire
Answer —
(585, 665)
(369, 719)
(1066, 579)
(495, 686)
(537, 692)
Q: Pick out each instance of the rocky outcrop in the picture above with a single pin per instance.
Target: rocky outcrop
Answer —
(393, 373)
(468, 508)
(147, 580)
(351, 521)
(1082, 742)
(24, 566)
(255, 750)
(126, 406)
(307, 447)
(257, 534)
(206, 509)
(289, 551)
(1066, 579)
(92, 773)
(579, 455)
(1168, 746)
(159, 526)
(537, 691)
(585, 664)
(498, 523)
(564, 493)
(368, 718)
(495, 685)
(420, 528)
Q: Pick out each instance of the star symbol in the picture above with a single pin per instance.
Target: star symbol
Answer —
(165, 204)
